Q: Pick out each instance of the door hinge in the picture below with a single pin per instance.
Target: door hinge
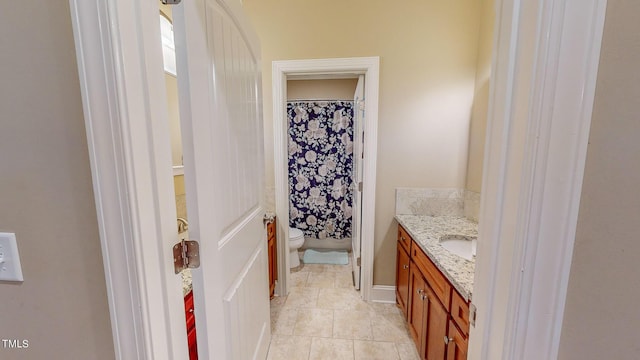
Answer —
(186, 254)
(358, 261)
(360, 186)
(171, 2)
(472, 314)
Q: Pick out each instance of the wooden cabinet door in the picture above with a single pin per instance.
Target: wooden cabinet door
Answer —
(273, 257)
(191, 326)
(416, 307)
(402, 279)
(457, 343)
(272, 265)
(436, 322)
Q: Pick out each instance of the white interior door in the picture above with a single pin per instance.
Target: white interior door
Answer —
(220, 108)
(358, 155)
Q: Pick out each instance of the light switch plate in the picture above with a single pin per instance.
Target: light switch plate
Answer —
(10, 269)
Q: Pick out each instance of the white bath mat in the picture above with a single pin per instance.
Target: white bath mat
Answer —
(325, 257)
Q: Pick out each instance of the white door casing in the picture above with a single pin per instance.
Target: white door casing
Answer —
(545, 62)
(358, 146)
(218, 58)
(120, 70)
(318, 69)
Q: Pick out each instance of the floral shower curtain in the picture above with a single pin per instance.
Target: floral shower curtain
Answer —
(320, 167)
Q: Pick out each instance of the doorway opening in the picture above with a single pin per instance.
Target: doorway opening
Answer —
(363, 74)
(324, 125)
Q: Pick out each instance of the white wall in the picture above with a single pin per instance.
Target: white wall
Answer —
(428, 53)
(174, 119)
(478, 126)
(601, 318)
(172, 104)
(46, 192)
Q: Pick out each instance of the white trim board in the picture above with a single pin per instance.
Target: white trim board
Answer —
(545, 64)
(318, 69)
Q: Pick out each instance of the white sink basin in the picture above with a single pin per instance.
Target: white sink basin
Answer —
(463, 246)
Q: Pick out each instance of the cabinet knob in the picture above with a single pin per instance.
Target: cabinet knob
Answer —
(448, 340)
(402, 238)
(424, 297)
(420, 291)
(405, 266)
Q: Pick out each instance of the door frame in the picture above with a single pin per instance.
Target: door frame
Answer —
(127, 126)
(520, 285)
(316, 69)
(545, 65)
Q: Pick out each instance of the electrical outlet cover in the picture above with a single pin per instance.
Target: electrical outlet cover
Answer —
(10, 269)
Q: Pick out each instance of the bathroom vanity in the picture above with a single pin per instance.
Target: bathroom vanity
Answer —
(433, 285)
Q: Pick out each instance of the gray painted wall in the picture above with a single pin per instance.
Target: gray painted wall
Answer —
(601, 316)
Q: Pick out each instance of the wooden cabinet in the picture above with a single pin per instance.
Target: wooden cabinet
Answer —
(191, 326)
(273, 256)
(435, 322)
(457, 343)
(402, 278)
(428, 318)
(438, 317)
(416, 305)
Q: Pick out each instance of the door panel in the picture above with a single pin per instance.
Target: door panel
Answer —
(220, 107)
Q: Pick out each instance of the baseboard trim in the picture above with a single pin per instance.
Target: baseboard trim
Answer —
(383, 294)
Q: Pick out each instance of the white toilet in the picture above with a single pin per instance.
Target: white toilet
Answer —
(296, 239)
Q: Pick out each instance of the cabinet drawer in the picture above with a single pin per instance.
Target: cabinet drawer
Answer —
(460, 312)
(438, 283)
(404, 239)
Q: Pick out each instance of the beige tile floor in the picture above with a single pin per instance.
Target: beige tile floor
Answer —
(324, 318)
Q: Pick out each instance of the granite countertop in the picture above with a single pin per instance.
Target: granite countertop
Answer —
(427, 230)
